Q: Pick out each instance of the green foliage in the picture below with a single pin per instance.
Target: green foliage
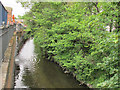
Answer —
(75, 35)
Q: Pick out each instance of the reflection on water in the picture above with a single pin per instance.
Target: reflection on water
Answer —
(35, 73)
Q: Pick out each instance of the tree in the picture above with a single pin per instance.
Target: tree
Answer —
(74, 34)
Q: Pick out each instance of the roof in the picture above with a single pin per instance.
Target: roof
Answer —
(3, 6)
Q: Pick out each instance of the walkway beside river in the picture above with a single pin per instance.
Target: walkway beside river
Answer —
(5, 67)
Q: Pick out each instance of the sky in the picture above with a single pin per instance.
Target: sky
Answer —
(17, 7)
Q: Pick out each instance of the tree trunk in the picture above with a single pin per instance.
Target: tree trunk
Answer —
(111, 25)
(97, 7)
(95, 4)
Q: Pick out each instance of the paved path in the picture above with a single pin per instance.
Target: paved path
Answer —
(5, 63)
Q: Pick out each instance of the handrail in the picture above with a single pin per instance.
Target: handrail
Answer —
(3, 33)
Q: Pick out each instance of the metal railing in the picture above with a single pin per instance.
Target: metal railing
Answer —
(6, 34)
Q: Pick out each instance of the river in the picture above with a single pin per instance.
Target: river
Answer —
(34, 72)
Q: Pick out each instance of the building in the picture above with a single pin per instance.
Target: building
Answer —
(9, 19)
(3, 14)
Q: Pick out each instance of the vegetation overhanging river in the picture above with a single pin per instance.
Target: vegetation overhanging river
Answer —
(34, 72)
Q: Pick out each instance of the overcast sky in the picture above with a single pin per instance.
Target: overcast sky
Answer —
(17, 8)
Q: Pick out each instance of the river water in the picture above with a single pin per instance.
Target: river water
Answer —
(38, 73)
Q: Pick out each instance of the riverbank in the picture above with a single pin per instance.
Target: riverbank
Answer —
(20, 40)
(67, 71)
(7, 67)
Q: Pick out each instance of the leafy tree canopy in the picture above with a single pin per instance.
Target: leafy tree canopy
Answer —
(80, 36)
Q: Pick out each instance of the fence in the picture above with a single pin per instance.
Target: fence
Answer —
(6, 34)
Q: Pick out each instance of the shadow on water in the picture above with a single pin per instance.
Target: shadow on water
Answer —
(35, 72)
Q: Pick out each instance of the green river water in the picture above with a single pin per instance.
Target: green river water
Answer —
(35, 72)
